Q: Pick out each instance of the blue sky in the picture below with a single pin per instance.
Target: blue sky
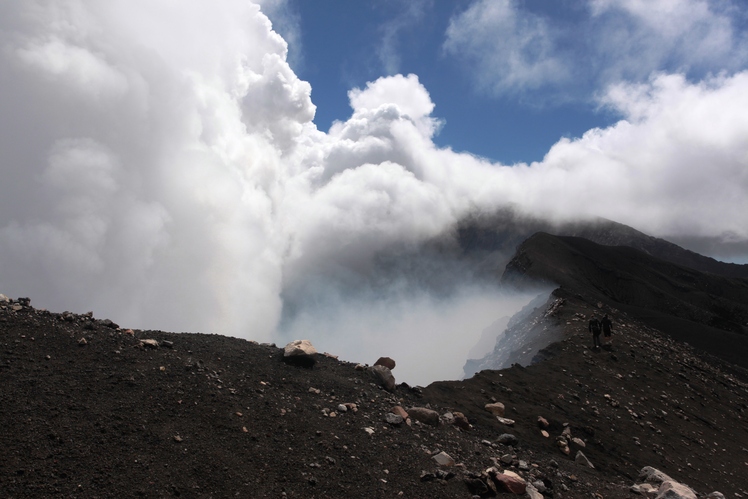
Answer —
(341, 48)
(337, 45)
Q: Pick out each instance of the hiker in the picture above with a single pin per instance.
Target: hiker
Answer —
(606, 325)
(594, 328)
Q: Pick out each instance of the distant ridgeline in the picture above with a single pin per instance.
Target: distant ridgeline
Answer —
(688, 296)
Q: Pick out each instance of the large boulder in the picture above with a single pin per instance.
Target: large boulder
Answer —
(386, 362)
(393, 419)
(384, 376)
(461, 421)
(508, 439)
(424, 415)
(510, 482)
(399, 411)
(652, 475)
(644, 489)
(300, 353)
(443, 459)
(670, 489)
(496, 408)
(533, 493)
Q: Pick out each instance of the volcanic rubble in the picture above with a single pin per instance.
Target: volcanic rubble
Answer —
(90, 409)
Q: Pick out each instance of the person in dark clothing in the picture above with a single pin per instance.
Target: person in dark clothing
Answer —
(606, 326)
(595, 328)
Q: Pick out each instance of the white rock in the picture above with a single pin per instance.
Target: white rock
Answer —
(506, 421)
(653, 475)
(532, 492)
(670, 489)
(644, 489)
(300, 352)
(443, 459)
(299, 347)
(497, 408)
(539, 486)
(395, 419)
(582, 459)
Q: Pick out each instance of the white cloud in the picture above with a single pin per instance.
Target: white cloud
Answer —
(75, 66)
(405, 92)
(286, 22)
(157, 195)
(508, 49)
(634, 38)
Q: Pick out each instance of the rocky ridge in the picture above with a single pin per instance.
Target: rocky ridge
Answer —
(709, 311)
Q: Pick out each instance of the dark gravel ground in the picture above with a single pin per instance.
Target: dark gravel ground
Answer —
(214, 416)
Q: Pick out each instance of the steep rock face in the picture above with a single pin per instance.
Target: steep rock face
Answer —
(707, 310)
(528, 331)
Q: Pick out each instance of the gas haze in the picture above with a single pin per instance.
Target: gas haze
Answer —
(429, 335)
(161, 167)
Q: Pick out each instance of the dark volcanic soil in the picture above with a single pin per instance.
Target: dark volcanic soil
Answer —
(213, 416)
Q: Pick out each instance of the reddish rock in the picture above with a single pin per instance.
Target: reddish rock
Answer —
(510, 483)
(542, 422)
(461, 421)
(386, 362)
(399, 411)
